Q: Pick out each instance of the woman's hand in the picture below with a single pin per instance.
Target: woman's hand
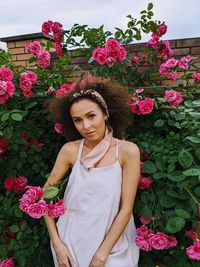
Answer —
(98, 260)
(64, 257)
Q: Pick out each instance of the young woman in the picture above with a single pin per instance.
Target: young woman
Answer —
(97, 229)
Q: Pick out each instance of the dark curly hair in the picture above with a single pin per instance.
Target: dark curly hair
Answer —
(115, 96)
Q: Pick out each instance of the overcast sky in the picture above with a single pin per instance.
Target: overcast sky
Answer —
(26, 16)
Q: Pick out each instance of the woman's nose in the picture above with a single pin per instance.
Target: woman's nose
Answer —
(86, 124)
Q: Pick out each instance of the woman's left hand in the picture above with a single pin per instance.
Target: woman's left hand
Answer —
(98, 260)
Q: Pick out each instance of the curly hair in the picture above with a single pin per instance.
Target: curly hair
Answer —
(115, 96)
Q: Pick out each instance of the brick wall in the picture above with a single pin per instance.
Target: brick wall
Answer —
(15, 44)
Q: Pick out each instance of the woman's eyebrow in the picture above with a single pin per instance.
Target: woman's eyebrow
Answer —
(85, 114)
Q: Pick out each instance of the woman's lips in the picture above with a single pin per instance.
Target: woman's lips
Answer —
(89, 134)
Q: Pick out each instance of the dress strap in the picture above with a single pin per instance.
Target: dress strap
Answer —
(80, 149)
(117, 149)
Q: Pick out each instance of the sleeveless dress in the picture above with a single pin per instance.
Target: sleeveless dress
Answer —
(92, 199)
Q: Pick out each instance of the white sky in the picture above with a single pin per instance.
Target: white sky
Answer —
(26, 16)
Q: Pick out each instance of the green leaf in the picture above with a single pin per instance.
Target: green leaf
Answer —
(166, 201)
(175, 224)
(159, 123)
(50, 192)
(117, 35)
(146, 211)
(16, 116)
(176, 176)
(193, 139)
(182, 213)
(32, 104)
(150, 6)
(185, 158)
(192, 172)
(5, 116)
(159, 175)
(160, 164)
(149, 167)
(14, 228)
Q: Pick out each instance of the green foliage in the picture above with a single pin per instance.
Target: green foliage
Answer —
(169, 136)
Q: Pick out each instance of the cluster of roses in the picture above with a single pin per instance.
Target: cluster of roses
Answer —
(33, 204)
(3, 145)
(112, 52)
(7, 87)
(162, 48)
(43, 56)
(148, 240)
(7, 263)
(27, 140)
(193, 251)
(27, 80)
(57, 29)
(141, 106)
(173, 97)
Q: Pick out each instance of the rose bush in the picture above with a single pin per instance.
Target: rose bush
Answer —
(165, 127)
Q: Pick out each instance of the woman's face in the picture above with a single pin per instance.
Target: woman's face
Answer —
(88, 119)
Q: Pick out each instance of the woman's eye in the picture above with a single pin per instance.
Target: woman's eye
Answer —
(91, 115)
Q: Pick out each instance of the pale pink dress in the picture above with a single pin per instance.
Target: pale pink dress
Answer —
(92, 200)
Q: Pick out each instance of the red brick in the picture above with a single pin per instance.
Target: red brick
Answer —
(19, 63)
(17, 51)
(181, 51)
(188, 42)
(11, 45)
(24, 56)
(195, 51)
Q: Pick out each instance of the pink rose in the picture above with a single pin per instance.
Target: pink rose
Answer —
(58, 48)
(37, 143)
(25, 84)
(110, 61)
(58, 128)
(158, 241)
(3, 144)
(172, 241)
(163, 69)
(192, 234)
(145, 220)
(100, 55)
(142, 231)
(122, 54)
(146, 106)
(28, 94)
(6, 74)
(135, 60)
(178, 100)
(43, 59)
(173, 75)
(144, 182)
(7, 263)
(7, 90)
(55, 210)
(112, 44)
(57, 27)
(143, 243)
(47, 27)
(196, 76)
(162, 29)
(37, 210)
(89, 78)
(183, 63)
(193, 251)
(34, 47)
(58, 38)
(171, 63)
(170, 95)
(31, 75)
(65, 88)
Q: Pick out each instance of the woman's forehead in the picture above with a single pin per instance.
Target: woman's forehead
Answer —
(83, 106)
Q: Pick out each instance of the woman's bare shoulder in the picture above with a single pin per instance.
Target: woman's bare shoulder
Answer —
(70, 149)
(128, 148)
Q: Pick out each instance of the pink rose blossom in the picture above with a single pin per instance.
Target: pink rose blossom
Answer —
(28, 94)
(15, 184)
(112, 44)
(3, 144)
(139, 90)
(34, 47)
(144, 182)
(89, 78)
(196, 76)
(142, 231)
(143, 243)
(25, 84)
(146, 106)
(44, 59)
(193, 251)
(145, 220)
(47, 27)
(122, 54)
(65, 88)
(37, 143)
(158, 241)
(7, 263)
(55, 210)
(110, 61)
(178, 100)
(7, 90)
(6, 74)
(162, 29)
(135, 60)
(170, 95)
(172, 241)
(58, 48)
(173, 75)
(171, 63)
(37, 210)
(57, 27)
(31, 75)
(58, 128)
(163, 69)
(183, 63)
(100, 55)
(192, 234)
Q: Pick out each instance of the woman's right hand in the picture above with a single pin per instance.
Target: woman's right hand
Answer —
(64, 257)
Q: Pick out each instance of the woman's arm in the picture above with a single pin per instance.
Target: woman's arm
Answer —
(61, 167)
(130, 174)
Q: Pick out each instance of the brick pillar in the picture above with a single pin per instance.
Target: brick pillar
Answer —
(16, 47)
